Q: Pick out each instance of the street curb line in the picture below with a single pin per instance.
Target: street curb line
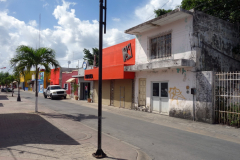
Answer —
(140, 154)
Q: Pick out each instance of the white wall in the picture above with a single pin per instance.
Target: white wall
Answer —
(179, 78)
(181, 38)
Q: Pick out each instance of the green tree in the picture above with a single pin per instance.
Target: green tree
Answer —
(90, 56)
(225, 9)
(160, 12)
(28, 58)
(6, 79)
(2, 78)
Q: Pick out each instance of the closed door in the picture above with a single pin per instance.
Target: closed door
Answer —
(142, 92)
(122, 97)
(160, 97)
(112, 92)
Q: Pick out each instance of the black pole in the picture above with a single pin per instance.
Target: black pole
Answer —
(18, 98)
(99, 153)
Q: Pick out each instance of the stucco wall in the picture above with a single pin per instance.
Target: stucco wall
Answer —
(204, 109)
(65, 77)
(55, 76)
(214, 39)
(181, 31)
(180, 105)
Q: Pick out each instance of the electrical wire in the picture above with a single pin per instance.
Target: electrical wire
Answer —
(159, 8)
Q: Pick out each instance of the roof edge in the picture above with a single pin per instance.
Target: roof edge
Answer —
(160, 17)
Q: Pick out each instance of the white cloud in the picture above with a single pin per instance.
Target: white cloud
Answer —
(68, 38)
(3, 0)
(45, 5)
(116, 19)
(32, 23)
(146, 12)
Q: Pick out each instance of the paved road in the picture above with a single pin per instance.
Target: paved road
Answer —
(160, 142)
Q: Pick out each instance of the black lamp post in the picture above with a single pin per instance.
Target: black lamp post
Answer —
(18, 98)
(99, 153)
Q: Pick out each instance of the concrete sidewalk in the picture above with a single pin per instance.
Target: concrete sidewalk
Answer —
(26, 135)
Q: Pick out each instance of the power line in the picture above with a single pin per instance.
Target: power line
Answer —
(159, 8)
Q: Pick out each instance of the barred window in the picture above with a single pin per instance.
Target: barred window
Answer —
(161, 47)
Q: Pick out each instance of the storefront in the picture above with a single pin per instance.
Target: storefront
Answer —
(70, 84)
(41, 82)
(117, 85)
(85, 88)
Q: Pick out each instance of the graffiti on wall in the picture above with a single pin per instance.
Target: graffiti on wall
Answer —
(179, 70)
(175, 94)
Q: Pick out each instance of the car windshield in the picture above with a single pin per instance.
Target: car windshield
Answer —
(55, 87)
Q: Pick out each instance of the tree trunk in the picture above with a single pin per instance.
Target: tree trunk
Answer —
(36, 91)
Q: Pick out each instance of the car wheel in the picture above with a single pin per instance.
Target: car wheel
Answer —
(64, 97)
(45, 96)
(51, 97)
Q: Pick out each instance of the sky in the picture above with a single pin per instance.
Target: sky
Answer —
(69, 26)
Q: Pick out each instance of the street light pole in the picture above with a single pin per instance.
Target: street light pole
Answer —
(99, 153)
(18, 98)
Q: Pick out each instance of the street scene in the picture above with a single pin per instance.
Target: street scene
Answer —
(146, 80)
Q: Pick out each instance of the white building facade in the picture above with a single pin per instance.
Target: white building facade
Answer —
(171, 75)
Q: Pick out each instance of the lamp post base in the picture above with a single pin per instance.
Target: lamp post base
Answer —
(99, 154)
(18, 98)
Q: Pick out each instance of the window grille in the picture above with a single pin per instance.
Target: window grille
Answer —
(161, 46)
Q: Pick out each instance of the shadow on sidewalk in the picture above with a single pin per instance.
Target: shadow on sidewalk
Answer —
(22, 129)
(79, 117)
(3, 97)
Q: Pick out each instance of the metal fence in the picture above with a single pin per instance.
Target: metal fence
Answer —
(227, 98)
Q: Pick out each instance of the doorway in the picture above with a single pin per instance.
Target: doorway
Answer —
(122, 97)
(85, 91)
(142, 92)
(160, 97)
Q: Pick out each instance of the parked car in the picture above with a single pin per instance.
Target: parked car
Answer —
(54, 91)
(5, 90)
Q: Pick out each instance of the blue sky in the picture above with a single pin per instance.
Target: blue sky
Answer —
(69, 26)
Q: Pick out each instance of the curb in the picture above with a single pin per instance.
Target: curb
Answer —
(140, 154)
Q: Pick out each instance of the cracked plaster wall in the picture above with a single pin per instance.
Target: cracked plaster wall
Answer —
(212, 40)
(180, 98)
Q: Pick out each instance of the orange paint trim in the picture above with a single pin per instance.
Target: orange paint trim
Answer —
(113, 63)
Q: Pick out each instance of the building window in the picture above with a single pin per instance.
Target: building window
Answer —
(65, 86)
(161, 46)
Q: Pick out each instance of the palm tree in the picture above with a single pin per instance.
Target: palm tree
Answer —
(27, 58)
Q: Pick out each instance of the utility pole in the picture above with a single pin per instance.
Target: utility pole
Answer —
(99, 153)
(39, 29)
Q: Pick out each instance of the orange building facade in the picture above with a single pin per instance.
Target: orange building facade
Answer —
(117, 84)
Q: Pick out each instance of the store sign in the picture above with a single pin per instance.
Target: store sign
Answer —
(127, 52)
(84, 65)
(88, 76)
(41, 76)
